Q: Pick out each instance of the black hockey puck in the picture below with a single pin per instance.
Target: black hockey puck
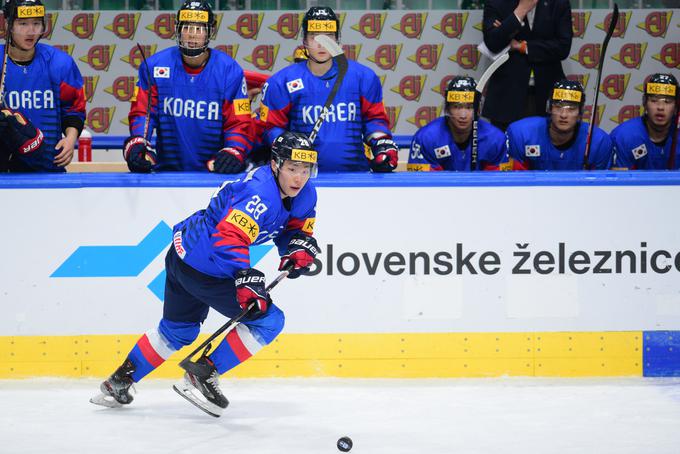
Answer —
(344, 444)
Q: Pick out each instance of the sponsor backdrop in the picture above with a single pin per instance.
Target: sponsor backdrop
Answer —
(547, 282)
(414, 53)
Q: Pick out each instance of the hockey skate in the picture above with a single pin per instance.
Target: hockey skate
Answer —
(201, 387)
(115, 391)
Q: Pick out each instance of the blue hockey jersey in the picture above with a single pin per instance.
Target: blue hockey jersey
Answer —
(49, 92)
(293, 99)
(195, 114)
(529, 143)
(245, 212)
(433, 148)
(633, 149)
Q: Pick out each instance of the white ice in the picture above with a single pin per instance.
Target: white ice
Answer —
(298, 416)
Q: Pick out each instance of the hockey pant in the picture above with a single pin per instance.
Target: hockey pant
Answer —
(189, 294)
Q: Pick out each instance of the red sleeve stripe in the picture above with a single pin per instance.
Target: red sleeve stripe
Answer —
(278, 117)
(237, 129)
(73, 97)
(373, 111)
(295, 224)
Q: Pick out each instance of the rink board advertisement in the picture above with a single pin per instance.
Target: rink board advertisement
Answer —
(415, 53)
(436, 268)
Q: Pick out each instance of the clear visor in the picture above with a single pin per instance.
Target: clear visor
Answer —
(298, 168)
(35, 26)
(193, 35)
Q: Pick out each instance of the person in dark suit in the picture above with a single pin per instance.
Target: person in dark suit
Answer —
(539, 34)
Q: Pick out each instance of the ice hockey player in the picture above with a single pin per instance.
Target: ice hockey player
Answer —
(43, 96)
(208, 266)
(294, 97)
(558, 142)
(446, 143)
(199, 103)
(645, 142)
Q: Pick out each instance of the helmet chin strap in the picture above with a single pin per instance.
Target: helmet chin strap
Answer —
(309, 56)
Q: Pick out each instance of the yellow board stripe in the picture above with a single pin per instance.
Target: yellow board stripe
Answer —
(396, 355)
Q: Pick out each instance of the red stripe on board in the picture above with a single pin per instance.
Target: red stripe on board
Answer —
(149, 353)
(237, 346)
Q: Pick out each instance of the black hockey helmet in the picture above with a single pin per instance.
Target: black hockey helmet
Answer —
(462, 90)
(294, 146)
(195, 13)
(320, 19)
(661, 85)
(23, 9)
(569, 91)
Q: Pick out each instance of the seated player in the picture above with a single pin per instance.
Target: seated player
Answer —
(558, 141)
(645, 142)
(459, 140)
(196, 100)
(295, 96)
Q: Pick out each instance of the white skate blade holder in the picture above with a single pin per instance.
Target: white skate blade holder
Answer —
(193, 395)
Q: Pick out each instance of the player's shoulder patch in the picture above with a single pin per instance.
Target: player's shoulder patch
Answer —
(294, 85)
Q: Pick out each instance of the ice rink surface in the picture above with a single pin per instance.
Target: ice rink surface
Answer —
(286, 416)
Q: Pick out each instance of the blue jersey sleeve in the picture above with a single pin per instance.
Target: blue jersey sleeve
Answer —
(276, 104)
(302, 218)
(600, 151)
(375, 122)
(421, 157)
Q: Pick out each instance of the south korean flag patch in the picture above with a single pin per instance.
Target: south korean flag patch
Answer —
(442, 152)
(294, 85)
(532, 151)
(640, 152)
(161, 72)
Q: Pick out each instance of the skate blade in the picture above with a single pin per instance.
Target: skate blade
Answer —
(105, 401)
(188, 394)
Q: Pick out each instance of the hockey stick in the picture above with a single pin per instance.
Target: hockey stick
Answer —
(4, 64)
(593, 116)
(338, 55)
(147, 120)
(674, 139)
(205, 346)
(497, 63)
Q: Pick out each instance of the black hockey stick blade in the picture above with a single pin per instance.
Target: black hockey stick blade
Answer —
(340, 59)
(205, 345)
(593, 115)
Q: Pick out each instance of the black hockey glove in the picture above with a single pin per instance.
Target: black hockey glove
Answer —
(250, 288)
(302, 250)
(17, 133)
(139, 155)
(227, 160)
(385, 155)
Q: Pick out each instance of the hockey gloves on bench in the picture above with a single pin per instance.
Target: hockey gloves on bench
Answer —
(300, 255)
(227, 160)
(250, 288)
(385, 155)
(18, 134)
(139, 155)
